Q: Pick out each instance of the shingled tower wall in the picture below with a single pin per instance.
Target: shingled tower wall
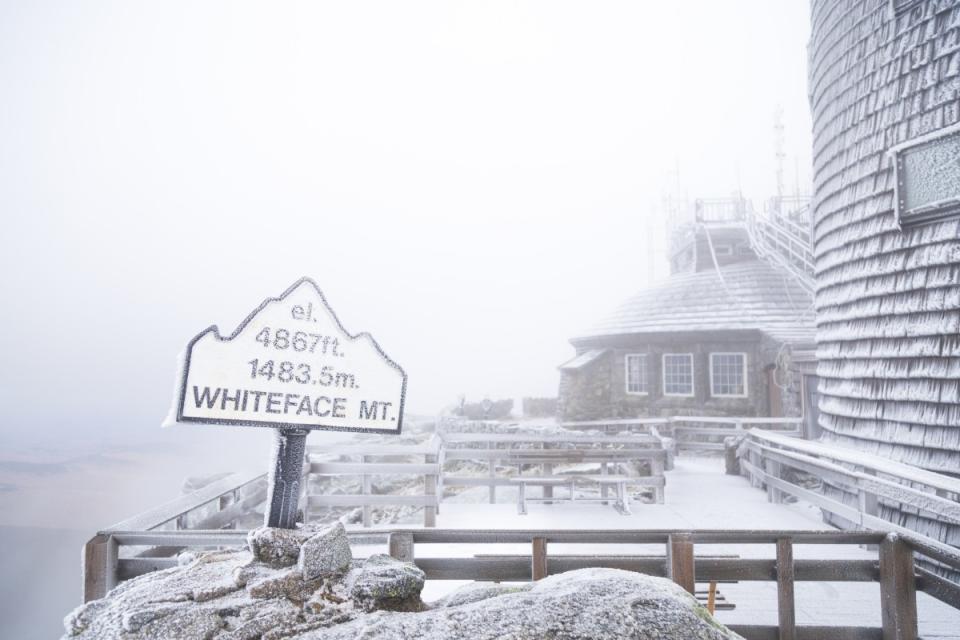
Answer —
(883, 72)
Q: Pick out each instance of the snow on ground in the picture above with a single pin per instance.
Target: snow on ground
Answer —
(699, 495)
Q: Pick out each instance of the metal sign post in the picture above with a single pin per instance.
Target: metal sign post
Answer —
(285, 478)
(291, 366)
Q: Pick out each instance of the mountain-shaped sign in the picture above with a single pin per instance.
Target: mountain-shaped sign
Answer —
(291, 364)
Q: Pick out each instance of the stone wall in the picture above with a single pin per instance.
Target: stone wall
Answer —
(585, 394)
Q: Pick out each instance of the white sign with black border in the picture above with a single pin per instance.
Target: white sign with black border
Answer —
(290, 364)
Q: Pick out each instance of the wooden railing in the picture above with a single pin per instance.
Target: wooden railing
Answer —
(216, 506)
(691, 433)
(521, 450)
(368, 460)
(893, 566)
(765, 458)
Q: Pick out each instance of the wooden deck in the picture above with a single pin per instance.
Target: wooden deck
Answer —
(701, 497)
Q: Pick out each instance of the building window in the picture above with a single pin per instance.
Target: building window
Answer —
(678, 374)
(728, 374)
(723, 249)
(744, 250)
(928, 178)
(637, 380)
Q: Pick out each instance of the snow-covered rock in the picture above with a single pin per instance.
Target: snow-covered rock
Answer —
(326, 553)
(277, 547)
(599, 604)
(256, 595)
(386, 583)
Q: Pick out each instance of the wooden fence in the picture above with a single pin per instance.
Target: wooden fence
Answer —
(766, 458)
(893, 568)
(218, 505)
(521, 450)
(367, 460)
(690, 433)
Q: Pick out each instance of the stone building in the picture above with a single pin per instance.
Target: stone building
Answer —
(885, 97)
(716, 338)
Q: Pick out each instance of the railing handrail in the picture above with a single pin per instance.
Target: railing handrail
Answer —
(182, 505)
(883, 465)
(898, 578)
(216, 537)
(795, 255)
(736, 420)
(551, 438)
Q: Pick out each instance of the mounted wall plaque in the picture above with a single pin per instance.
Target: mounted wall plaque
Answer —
(928, 178)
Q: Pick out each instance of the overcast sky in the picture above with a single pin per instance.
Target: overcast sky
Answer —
(472, 183)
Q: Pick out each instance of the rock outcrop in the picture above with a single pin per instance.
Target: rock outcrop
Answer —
(599, 604)
(326, 553)
(304, 584)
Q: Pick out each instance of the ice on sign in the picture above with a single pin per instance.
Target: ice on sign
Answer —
(291, 364)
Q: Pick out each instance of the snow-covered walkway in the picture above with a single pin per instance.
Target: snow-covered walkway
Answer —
(698, 496)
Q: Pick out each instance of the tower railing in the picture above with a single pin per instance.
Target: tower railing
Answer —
(777, 237)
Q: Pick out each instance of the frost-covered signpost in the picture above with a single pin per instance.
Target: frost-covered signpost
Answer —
(291, 366)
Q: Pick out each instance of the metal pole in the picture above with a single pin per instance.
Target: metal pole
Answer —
(285, 478)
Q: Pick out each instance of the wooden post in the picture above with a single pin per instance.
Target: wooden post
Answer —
(538, 562)
(786, 607)
(401, 546)
(99, 566)
(225, 501)
(774, 495)
(898, 590)
(492, 470)
(430, 489)
(731, 461)
(680, 562)
(656, 470)
(603, 485)
(547, 471)
(754, 457)
(367, 487)
(868, 502)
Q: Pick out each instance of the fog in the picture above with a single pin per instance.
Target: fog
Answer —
(472, 183)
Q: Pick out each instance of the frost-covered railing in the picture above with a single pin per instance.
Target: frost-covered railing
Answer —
(767, 459)
(893, 567)
(777, 238)
(366, 460)
(702, 433)
(521, 450)
(219, 505)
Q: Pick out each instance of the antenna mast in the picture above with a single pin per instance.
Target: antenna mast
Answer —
(778, 145)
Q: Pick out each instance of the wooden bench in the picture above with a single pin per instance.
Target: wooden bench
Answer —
(618, 482)
(541, 481)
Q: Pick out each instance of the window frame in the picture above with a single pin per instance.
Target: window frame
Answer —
(663, 376)
(746, 387)
(626, 373)
(929, 213)
(723, 249)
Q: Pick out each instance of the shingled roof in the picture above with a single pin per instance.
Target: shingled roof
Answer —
(750, 295)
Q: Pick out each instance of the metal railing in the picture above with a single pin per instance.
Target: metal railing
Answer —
(776, 238)
(719, 210)
(894, 566)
